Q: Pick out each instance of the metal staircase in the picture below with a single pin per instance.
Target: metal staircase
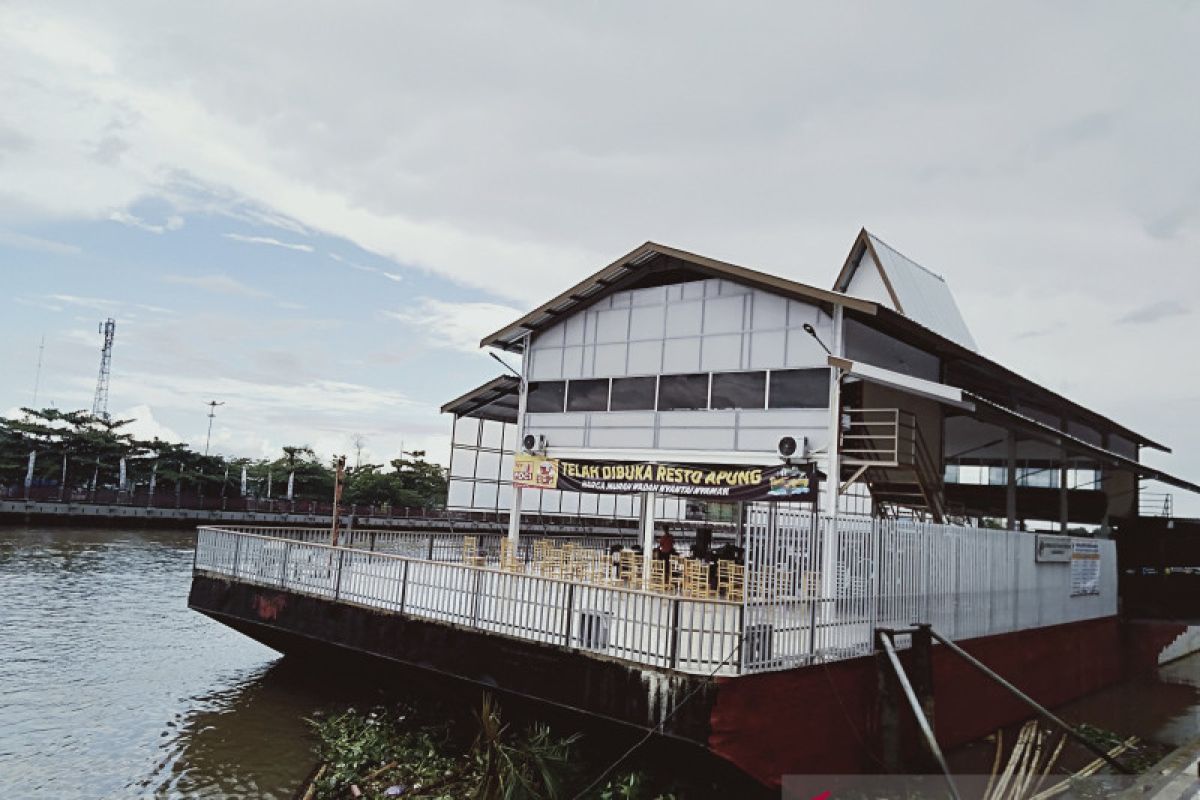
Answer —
(883, 448)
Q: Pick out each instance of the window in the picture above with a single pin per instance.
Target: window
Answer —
(545, 397)
(800, 388)
(682, 392)
(739, 389)
(633, 394)
(587, 395)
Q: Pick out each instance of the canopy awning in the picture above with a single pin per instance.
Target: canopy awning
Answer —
(930, 390)
(989, 411)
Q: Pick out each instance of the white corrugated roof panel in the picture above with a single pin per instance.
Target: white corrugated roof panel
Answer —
(923, 295)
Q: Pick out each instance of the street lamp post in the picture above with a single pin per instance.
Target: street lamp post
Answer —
(212, 412)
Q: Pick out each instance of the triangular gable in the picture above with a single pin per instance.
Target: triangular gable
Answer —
(878, 272)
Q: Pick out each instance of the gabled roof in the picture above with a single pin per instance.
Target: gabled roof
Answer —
(914, 291)
(637, 265)
(653, 261)
(497, 400)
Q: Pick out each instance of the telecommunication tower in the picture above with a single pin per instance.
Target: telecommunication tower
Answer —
(100, 403)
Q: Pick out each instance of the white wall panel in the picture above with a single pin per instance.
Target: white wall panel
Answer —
(723, 314)
(645, 358)
(621, 437)
(696, 438)
(721, 353)
(647, 322)
(610, 360)
(684, 319)
(767, 348)
(681, 355)
(612, 326)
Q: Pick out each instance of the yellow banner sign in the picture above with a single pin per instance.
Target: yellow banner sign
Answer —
(535, 472)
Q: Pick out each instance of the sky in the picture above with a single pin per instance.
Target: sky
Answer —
(312, 212)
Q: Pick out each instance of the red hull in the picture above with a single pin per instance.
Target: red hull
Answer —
(825, 719)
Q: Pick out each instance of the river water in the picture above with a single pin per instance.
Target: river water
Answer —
(111, 687)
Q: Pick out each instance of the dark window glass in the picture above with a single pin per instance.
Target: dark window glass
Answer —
(739, 390)
(633, 394)
(682, 392)
(545, 397)
(800, 388)
(587, 395)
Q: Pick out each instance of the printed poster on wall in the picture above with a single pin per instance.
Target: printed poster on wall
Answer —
(1085, 567)
(779, 482)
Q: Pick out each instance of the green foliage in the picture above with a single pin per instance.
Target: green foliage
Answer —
(526, 767)
(400, 747)
(92, 448)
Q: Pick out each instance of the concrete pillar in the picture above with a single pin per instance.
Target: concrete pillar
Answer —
(514, 511)
(833, 465)
(1010, 468)
(646, 525)
(1063, 511)
(833, 460)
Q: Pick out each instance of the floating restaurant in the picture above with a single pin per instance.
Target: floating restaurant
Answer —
(757, 485)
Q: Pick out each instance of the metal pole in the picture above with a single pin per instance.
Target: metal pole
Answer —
(915, 705)
(1045, 713)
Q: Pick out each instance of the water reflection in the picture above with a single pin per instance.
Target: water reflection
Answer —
(247, 739)
(111, 687)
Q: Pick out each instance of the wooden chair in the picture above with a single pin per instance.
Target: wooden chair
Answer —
(723, 579)
(736, 590)
(552, 563)
(658, 580)
(470, 551)
(695, 578)
(677, 573)
(630, 568)
(508, 559)
(810, 585)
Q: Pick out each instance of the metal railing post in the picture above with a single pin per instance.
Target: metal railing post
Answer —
(237, 549)
(430, 556)
(475, 598)
(337, 584)
(675, 633)
(283, 564)
(404, 586)
(570, 609)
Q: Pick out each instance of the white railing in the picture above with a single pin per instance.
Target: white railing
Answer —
(679, 633)
(818, 588)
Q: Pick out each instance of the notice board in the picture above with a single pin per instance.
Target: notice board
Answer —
(1085, 567)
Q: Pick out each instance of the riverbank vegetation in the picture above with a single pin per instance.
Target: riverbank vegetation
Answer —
(405, 752)
(77, 456)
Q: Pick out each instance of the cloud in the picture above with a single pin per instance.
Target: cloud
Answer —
(456, 325)
(22, 241)
(145, 425)
(237, 237)
(1154, 312)
(95, 303)
(392, 276)
(173, 222)
(221, 284)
